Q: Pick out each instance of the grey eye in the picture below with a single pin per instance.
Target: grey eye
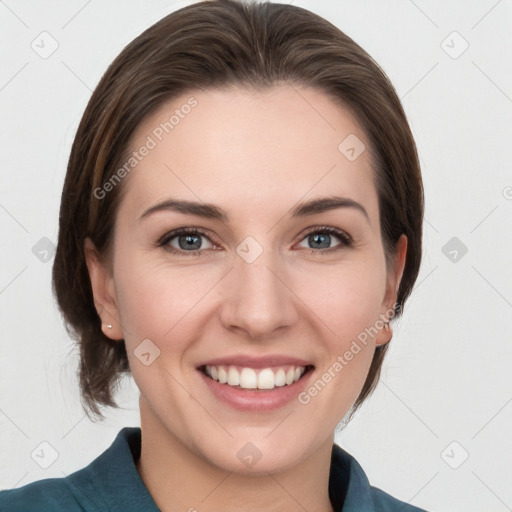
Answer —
(188, 242)
(320, 240)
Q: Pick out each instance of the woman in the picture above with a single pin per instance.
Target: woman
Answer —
(240, 222)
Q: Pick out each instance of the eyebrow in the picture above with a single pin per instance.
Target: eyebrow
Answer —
(325, 204)
(211, 211)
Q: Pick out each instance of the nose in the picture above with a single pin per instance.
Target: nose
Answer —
(257, 298)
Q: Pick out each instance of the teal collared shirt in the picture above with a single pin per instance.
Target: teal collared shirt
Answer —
(111, 483)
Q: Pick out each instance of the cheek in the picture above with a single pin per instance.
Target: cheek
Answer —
(347, 298)
(158, 301)
(161, 305)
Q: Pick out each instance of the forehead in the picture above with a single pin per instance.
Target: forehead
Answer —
(244, 150)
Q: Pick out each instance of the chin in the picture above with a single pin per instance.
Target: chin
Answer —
(261, 454)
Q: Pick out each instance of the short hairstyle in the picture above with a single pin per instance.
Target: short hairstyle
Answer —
(221, 44)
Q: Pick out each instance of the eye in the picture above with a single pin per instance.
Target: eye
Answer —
(320, 240)
(185, 242)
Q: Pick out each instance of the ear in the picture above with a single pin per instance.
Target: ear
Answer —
(393, 280)
(105, 300)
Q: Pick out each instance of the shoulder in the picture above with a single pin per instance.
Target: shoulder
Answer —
(81, 491)
(386, 503)
(350, 488)
(109, 482)
(49, 495)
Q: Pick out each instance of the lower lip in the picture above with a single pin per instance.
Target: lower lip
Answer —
(256, 400)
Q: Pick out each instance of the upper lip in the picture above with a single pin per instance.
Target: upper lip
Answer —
(256, 362)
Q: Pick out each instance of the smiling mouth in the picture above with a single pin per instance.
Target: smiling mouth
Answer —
(251, 378)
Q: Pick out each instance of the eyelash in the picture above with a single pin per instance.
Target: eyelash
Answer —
(345, 239)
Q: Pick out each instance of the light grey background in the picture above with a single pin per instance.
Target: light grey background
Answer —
(446, 388)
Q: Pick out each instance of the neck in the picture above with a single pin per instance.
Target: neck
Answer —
(180, 480)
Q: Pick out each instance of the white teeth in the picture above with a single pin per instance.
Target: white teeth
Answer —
(248, 378)
(233, 377)
(280, 379)
(223, 375)
(266, 379)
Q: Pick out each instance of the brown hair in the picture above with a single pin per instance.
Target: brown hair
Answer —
(221, 43)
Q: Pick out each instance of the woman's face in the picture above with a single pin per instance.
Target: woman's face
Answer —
(246, 298)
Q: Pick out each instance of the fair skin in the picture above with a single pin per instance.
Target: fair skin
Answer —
(256, 155)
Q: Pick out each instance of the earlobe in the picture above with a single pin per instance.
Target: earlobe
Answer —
(392, 286)
(384, 335)
(103, 291)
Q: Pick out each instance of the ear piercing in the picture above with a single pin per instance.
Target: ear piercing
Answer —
(386, 326)
(108, 326)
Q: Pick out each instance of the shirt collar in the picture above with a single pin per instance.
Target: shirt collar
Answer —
(112, 478)
(349, 488)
